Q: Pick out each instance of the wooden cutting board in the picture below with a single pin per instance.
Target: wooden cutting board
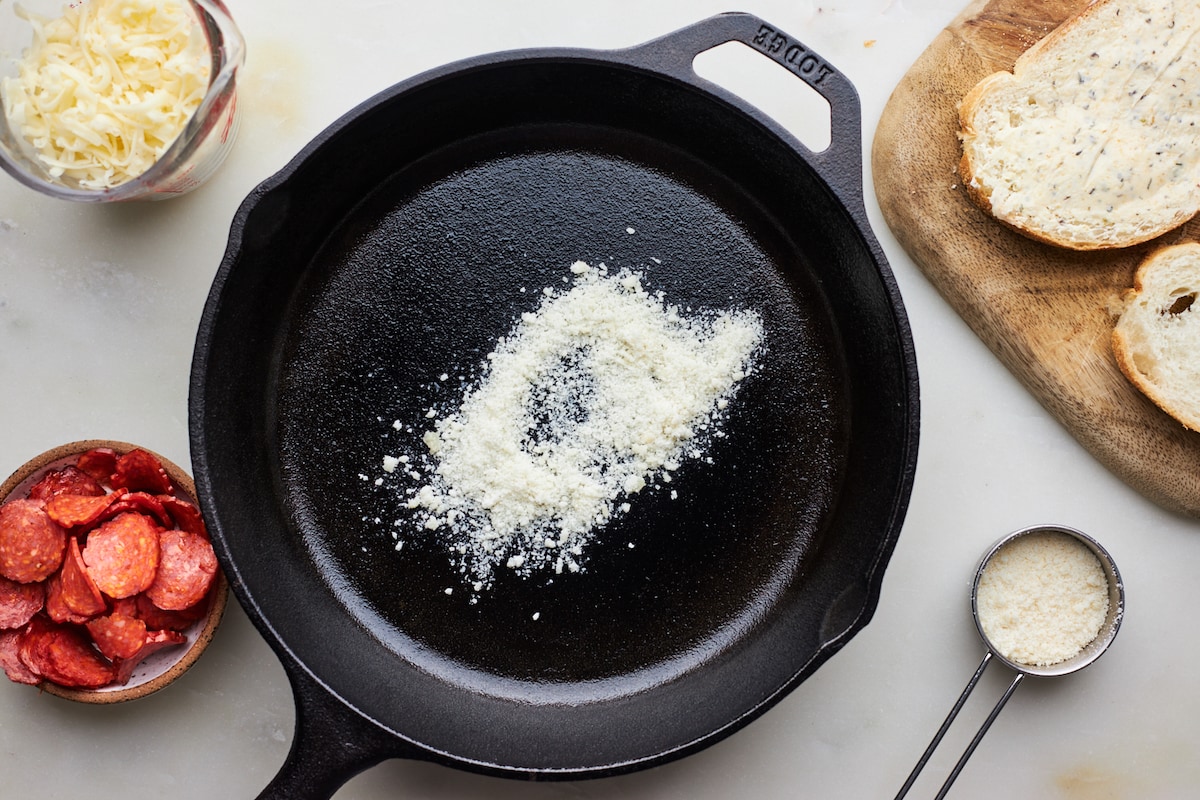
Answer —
(1047, 313)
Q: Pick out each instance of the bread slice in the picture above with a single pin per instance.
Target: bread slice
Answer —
(1093, 140)
(1157, 337)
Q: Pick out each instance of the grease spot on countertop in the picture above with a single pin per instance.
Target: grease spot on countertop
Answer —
(272, 81)
(1091, 782)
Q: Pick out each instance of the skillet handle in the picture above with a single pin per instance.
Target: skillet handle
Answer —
(840, 164)
(331, 744)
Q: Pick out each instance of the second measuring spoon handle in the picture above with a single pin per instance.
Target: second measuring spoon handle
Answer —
(987, 723)
(962, 699)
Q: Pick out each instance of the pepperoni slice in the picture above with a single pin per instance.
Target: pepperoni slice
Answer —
(67, 480)
(56, 607)
(19, 602)
(121, 555)
(157, 619)
(100, 463)
(61, 653)
(186, 568)
(138, 470)
(77, 510)
(185, 515)
(119, 636)
(79, 591)
(10, 659)
(31, 544)
(141, 503)
(127, 606)
(155, 641)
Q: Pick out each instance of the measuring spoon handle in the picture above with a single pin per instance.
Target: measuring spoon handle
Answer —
(987, 723)
(937, 738)
(962, 700)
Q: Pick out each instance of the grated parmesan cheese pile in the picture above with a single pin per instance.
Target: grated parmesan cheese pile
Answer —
(1042, 598)
(104, 90)
(603, 390)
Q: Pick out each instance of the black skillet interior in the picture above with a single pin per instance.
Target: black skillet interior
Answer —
(398, 247)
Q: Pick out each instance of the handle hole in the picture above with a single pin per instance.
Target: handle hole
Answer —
(769, 87)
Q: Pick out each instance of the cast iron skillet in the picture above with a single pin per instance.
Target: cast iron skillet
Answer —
(399, 245)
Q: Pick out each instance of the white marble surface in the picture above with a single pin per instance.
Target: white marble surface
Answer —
(98, 310)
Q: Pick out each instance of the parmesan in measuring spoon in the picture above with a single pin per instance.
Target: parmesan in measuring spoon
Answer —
(1042, 598)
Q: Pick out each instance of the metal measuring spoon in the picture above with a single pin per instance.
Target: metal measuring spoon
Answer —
(1090, 652)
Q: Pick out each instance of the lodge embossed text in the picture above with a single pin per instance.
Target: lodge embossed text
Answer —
(792, 55)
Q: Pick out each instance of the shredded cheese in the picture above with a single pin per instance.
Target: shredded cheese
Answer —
(601, 392)
(106, 88)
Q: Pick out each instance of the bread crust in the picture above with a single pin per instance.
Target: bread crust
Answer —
(1120, 347)
(1030, 63)
(1123, 347)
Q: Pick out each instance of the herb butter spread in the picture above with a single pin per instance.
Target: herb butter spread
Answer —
(1042, 598)
(601, 391)
(104, 90)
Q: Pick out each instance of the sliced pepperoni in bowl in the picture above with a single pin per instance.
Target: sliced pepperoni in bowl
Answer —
(109, 587)
(31, 544)
(121, 555)
(80, 594)
(19, 602)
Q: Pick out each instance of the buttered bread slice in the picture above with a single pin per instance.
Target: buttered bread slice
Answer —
(1093, 140)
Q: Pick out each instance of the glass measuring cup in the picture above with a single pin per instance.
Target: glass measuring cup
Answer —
(1089, 653)
(188, 162)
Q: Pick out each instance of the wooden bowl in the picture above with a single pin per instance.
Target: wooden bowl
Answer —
(163, 666)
